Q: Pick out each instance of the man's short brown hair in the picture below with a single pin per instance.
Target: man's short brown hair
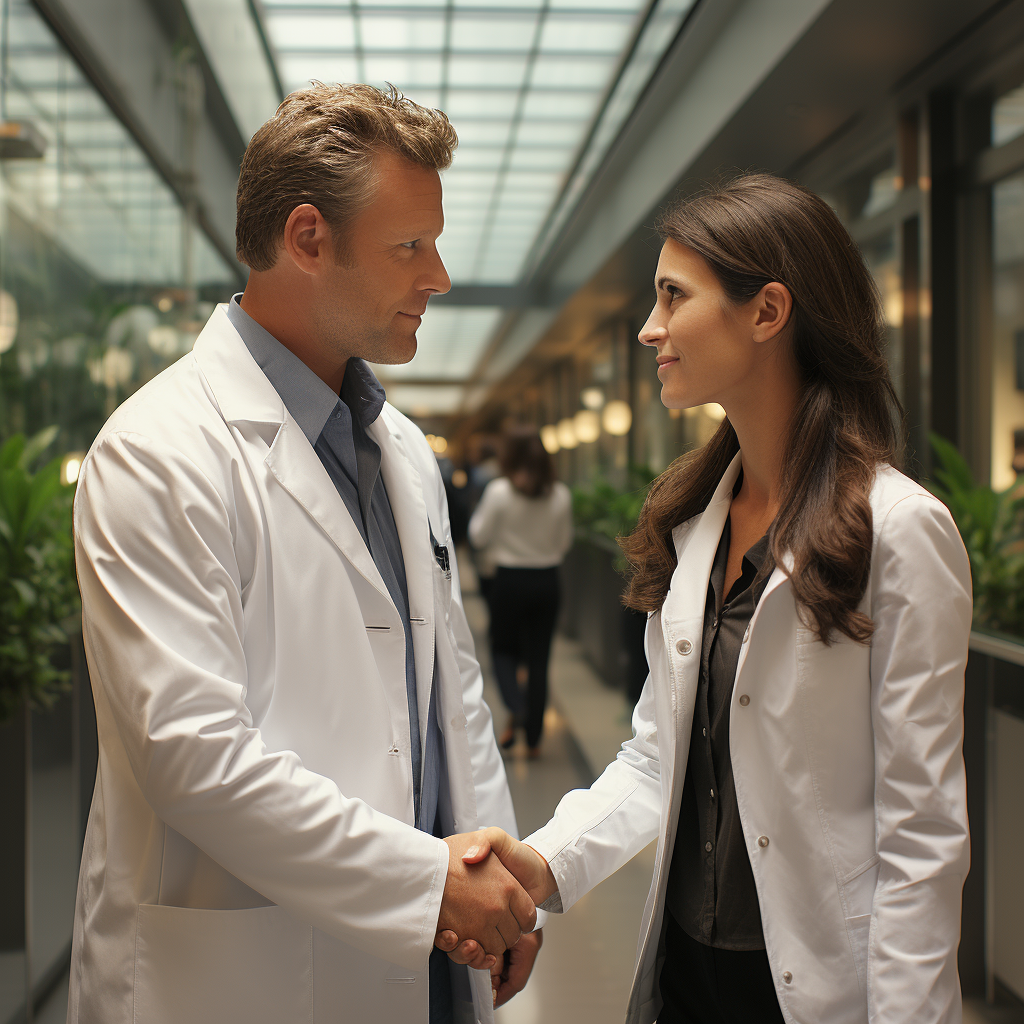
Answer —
(319, 148)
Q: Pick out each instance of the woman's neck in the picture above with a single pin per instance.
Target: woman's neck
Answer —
(762, 424)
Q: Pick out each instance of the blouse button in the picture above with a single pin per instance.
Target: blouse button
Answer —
(762, 841)
(684, 646)
(744, 701)
(707, 847)
(787, 977)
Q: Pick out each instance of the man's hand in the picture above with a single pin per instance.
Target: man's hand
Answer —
(482, 902)
(510, 974)
(528, 866)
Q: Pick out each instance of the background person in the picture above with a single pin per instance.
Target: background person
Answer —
(798, 746)
(524, 522)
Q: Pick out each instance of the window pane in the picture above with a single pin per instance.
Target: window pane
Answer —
(1008, 332)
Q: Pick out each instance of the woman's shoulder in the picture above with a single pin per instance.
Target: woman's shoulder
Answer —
(895, 492)
(910, 523)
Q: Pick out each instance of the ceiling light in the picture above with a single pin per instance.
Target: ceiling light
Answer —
(567, 434)
(8, 320)
(549, 438)
(592, 398)
(617, 417)
(70, 467)
(587, 424)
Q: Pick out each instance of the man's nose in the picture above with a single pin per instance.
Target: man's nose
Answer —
(437, 280)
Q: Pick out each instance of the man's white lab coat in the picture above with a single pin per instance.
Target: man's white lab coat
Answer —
(250, 854)
(848, 767)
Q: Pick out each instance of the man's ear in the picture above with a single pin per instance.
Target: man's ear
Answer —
(307, 239)
(774, 308)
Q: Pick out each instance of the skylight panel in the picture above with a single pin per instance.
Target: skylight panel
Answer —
(319, 32)
(465, 102)
(560, 103)
(401, 32)
(407, 73)
(496, 33)
(594, 33)
(488, 72)
(296, 72)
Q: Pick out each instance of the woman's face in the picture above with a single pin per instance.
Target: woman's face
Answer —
(706, 344)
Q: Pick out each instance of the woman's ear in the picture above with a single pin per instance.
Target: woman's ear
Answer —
(774, 307)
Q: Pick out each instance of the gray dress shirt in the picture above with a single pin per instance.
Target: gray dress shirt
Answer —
(336, 428)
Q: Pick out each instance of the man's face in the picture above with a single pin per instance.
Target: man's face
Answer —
(371, 300)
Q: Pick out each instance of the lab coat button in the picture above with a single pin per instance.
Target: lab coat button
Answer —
(744, 701)
(684, 646)
(787, 977)
(762, 841)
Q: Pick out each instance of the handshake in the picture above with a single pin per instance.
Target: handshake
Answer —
(494, 886)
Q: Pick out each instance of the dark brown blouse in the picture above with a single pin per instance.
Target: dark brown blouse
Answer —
(711, 891)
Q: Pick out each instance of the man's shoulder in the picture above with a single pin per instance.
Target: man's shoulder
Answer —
(175, 411)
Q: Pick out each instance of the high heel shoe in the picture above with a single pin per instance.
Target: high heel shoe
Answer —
(508, 737)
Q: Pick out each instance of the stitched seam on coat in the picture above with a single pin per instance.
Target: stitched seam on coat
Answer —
(135, 968)
(430, 893)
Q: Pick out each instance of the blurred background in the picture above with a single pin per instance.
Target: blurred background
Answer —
(122, 124)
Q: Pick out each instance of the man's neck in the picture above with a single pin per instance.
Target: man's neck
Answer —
(286, 320)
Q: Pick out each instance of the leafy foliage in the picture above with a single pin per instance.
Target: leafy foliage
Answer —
(605, 511)
(991, 524)
(39, 601)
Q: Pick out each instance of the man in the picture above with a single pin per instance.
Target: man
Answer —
(289, 709)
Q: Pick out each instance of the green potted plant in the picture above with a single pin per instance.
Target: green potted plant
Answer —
(602, 513)
(39, 602)
(991, 524)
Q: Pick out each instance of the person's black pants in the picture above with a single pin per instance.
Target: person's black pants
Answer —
(524, 606)
(704, 985)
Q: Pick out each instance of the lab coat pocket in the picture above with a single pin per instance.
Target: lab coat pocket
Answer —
(859, 893)
(221, 966)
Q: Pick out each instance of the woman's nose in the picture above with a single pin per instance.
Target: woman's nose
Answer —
(652, 332)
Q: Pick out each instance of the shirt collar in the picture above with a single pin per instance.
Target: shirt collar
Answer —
(309, 400)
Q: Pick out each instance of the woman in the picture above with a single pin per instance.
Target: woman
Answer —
(797, 748)
(524, 521)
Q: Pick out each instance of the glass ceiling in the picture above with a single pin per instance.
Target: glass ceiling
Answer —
(522, 81)
(94, 192)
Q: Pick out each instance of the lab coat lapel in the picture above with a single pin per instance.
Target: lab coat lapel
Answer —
(246, 396)
(696, 545)
(301, 473)
(405, 492)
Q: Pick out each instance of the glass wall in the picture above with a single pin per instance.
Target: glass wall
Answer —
(1007, 331)
(103, 283)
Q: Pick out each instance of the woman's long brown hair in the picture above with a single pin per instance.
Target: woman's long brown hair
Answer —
(754, 230)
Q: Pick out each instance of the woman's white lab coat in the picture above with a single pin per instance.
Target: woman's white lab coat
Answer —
(250, 853)
(848, 768)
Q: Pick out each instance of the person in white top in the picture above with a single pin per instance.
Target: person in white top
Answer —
(797, 750)
(524, 522)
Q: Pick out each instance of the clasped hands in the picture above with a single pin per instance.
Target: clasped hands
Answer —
(489, 907)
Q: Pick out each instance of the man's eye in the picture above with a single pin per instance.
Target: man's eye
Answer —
(411, 245)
